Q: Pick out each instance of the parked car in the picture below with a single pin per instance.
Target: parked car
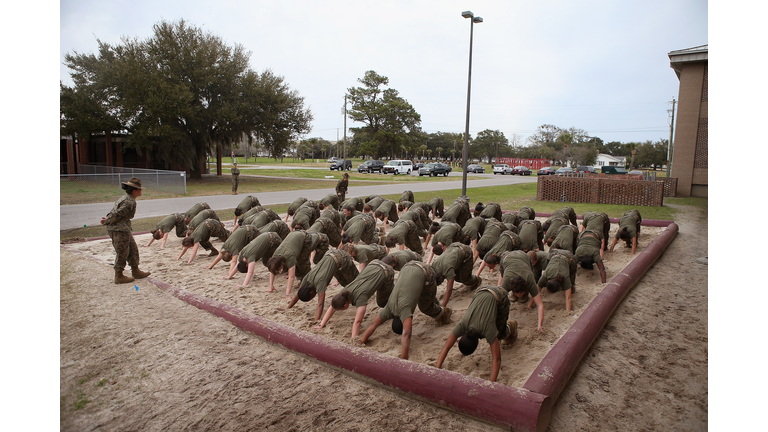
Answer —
(341, 165)
(587, 169)
(434, 169)
(564, 171)
(521, 170)
(332, 159)
(398, 166)
(370, 166)
(636, 172)
(547, 171)
(502, 169)
(418, 165)
(610, 169)
(475, 168)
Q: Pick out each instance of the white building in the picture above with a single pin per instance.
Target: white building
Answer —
(608, 160)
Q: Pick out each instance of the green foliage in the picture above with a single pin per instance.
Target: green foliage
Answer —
(488, 144)
(181, 93)
(391, 124)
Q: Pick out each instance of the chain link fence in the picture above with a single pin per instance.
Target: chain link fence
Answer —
(160, 180)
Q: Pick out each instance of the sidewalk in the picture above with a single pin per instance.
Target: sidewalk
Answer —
(78, 215)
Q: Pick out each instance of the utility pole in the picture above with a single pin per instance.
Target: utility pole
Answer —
(344, 142)
(670, 149)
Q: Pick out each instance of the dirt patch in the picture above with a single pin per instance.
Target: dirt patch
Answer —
(143, 359)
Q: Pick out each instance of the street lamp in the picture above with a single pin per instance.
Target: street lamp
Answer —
(465, 152)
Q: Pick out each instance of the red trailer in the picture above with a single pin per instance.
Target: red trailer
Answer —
(532, 164)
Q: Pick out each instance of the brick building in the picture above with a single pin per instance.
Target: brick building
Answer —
(690, 144)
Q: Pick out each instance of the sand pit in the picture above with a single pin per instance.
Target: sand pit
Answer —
(145, 360)
(518, 361)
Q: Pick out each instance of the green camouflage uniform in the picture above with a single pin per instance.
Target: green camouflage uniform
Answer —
(247, 203)
(207, 229)
(296, 204)
(458, 212)
(589, 245)
(555, 222)
(169, 222)
(252, 211)
(334, 215)
(235, 178)
(526, 213)
(341, 188)
(354, 202)
(631, 220)
(438, 206)
(315, 208)
(456, 262)
(335, 263)
(279, 226)
(262, 247)
(448, 233)
(240, 238)
(361, 228)
(517, 263)
(599, 222)
(304, 216)
(508, 241)
(406, 196)
(118, 225)
(389, 210)
(331, 200)
(197, 208)
(403, 257)
(474, 228)
(531, 235)
(415, 286)
(569, 213)
(510, 218)
(261, 218)
(201, 217)
(367, 253)
(492, 210)
(375, 202)
(327, 227)
(376, 277)
(561, 262)
(493, 230)
(404, 232)
(487, 314)
(419, 216)
(567, 238)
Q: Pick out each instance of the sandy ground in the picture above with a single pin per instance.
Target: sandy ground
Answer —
(145, 360)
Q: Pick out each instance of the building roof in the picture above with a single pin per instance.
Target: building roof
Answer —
(610, 158)
(687, 55)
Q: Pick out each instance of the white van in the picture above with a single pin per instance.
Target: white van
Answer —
(398, 167)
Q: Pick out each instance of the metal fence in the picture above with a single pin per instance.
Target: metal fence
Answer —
(160, 180)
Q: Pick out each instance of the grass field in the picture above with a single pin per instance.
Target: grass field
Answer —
(510, 197)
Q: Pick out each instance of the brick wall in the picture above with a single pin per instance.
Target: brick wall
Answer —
(601, 189)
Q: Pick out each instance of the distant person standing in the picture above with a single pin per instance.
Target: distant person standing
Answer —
(235, 176)
(342, 186)
(118, 223)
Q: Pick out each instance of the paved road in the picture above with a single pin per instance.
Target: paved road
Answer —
(78, 215)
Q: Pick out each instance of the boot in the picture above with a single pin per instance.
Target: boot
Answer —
(512, 336)
(446, 317)
(120, 279)
(138, 274)
(214, 252)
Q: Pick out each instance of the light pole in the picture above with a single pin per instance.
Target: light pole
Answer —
(465, 152)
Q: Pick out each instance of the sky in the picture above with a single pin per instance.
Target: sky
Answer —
(599, 66)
